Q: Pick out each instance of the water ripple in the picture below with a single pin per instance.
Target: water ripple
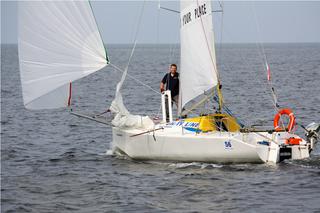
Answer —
(54, 162)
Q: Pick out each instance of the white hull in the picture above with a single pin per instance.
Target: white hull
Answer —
(173, 143)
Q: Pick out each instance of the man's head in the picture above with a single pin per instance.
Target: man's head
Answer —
(173, 68)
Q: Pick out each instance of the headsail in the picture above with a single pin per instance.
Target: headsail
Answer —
(59, 42)
(198, 70)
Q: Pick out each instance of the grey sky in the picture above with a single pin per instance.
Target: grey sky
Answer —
(286, 21)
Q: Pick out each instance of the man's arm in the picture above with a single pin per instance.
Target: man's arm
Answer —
(163, 81)
(161, 86)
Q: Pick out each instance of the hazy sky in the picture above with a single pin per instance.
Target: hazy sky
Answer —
(286, 21)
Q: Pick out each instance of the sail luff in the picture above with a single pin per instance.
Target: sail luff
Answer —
(209, 43)
(104, 47)
(58, 42)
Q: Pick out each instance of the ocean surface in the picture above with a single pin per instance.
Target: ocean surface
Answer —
(52, 161)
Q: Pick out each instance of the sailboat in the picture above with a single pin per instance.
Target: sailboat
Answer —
(54, 55)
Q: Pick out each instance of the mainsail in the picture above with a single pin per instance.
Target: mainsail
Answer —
(198, 70)
(59, 42)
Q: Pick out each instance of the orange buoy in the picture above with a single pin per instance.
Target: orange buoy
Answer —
(277, 118)
(293, 141)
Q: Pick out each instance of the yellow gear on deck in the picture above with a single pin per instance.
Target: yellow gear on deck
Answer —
(215, 122)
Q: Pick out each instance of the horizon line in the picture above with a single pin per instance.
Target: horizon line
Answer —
(147, 43)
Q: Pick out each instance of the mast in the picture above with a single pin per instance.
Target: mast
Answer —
(219, 91)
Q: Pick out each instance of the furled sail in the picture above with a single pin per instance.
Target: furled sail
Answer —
(59, 42)
(198, 70)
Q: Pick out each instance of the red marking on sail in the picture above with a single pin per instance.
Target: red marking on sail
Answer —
(268, 71)
(70, 93)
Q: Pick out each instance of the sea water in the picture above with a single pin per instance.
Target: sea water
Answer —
(52, 161)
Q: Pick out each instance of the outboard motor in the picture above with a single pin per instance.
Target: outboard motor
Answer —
(312, 134)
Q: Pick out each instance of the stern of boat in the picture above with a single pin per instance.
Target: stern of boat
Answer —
(282, 146)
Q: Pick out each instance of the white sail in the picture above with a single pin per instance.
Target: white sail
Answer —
(198, 70)
(58, 42)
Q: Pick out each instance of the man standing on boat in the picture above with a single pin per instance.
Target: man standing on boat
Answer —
(171, 82)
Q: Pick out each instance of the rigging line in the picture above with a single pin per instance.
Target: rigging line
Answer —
(213, 62)
(259, 33)
(207, 43)
(172, 49)
(221, 5)
(158, 26)
(248, 65)
(242, 58)
(136, 34)
(95, 19)
(172, 46)
(273, 94)
(221, 31)
(137, 80)
(125, 71)
(260, 45)
(168, 9)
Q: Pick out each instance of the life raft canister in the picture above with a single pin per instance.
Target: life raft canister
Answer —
(277, 118)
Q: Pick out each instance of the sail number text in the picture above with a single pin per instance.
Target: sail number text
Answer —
(197, 13)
